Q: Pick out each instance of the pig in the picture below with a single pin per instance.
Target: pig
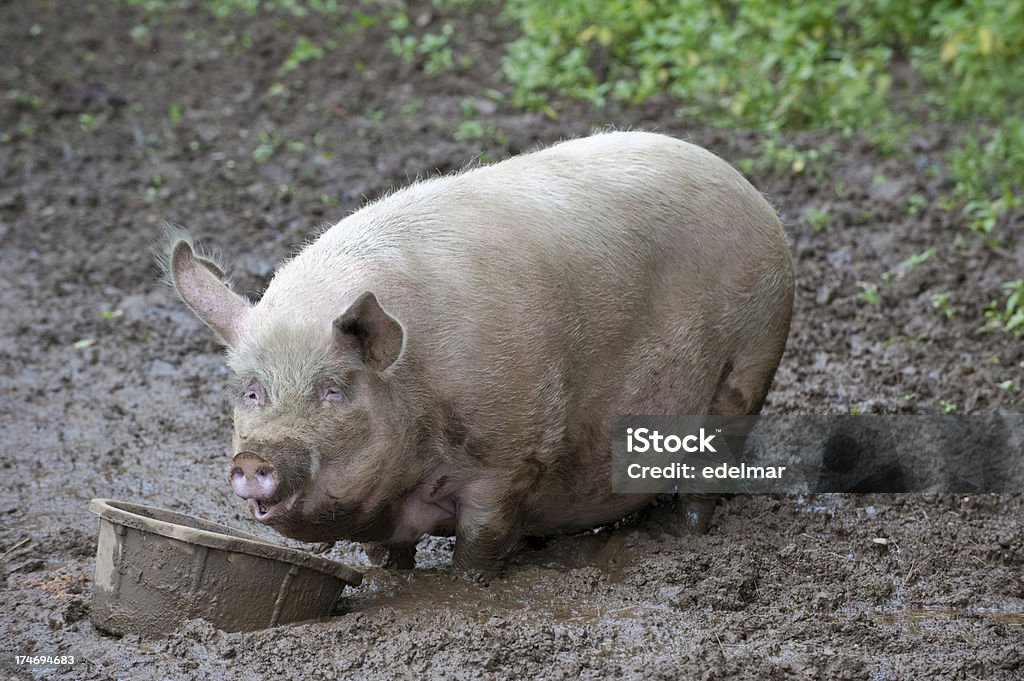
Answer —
(448, 360)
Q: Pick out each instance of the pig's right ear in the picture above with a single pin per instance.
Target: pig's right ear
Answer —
(198, 282)
(376, 335)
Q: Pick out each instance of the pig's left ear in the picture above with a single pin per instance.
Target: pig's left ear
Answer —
(198, 282)
(377, 335)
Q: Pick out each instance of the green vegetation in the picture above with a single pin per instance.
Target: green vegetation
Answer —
(304, 50)
(434, 48)
(223, 9)
(472, 128)
(774, 65)
(869, 292)
(1009, 316)
(871, 68)
(917, 259)
(776, 159)
(990, 176)
(174, 112)
(769, 63)
(940, 301)
(762, 63)
(817, 218)
(24, 100)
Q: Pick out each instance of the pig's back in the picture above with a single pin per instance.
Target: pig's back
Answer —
(597, 276)
(594, 227)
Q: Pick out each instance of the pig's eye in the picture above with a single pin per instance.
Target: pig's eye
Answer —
(253, 395)
(332, 392)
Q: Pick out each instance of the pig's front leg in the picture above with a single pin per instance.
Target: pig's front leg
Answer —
(488, 529)
(392, 556)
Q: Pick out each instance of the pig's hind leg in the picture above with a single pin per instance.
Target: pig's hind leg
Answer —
(393, 556)
(738, 394)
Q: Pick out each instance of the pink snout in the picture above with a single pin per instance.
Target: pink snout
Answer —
(252, 477)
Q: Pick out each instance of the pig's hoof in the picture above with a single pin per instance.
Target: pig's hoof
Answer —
(398, 557)
(474, 576)
(695, 511)
(477, 572)
(536, 543)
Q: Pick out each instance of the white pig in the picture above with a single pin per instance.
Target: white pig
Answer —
(449, 359)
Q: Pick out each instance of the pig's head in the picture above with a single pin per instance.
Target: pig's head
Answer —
(318, 426)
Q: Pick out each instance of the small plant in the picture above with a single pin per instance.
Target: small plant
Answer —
(1010, 317)
(361, 20)
(484, 132)
(940, 301)
(24, 99)
(433, 47)
(947, 406)
(817, 218)
(174, 112)
(916, 203)
(373, 117)
(403, 47)
(269, 143)
(983, 215)
(139, 34)
(475, 130)
(917, 259)
(153, 188)
(277, 89)
(776, 159)
(88, 122)
(303, 51)
(869, 293)
(990, 177)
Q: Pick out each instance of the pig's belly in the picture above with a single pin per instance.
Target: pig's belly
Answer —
(561, 515)
(419, 516)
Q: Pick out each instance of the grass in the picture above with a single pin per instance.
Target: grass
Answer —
(773, 65)
(875, 69)
(817, 218)
(777, 159)
(1010, 315)
(303, 51)
(768, 63)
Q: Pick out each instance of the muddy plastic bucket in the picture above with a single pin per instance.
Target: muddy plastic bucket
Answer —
(156, 568)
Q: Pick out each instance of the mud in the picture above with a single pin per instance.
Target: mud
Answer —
(115, 121)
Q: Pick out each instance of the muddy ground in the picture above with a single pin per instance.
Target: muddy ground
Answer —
(114, 121)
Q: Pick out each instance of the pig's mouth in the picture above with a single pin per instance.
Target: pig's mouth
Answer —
(265, 510)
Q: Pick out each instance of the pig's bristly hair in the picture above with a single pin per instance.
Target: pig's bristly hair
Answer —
(289, 357)
(170, 236)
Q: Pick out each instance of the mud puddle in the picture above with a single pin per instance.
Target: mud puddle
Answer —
(912, 616)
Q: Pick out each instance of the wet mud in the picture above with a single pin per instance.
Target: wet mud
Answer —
(110, 388)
